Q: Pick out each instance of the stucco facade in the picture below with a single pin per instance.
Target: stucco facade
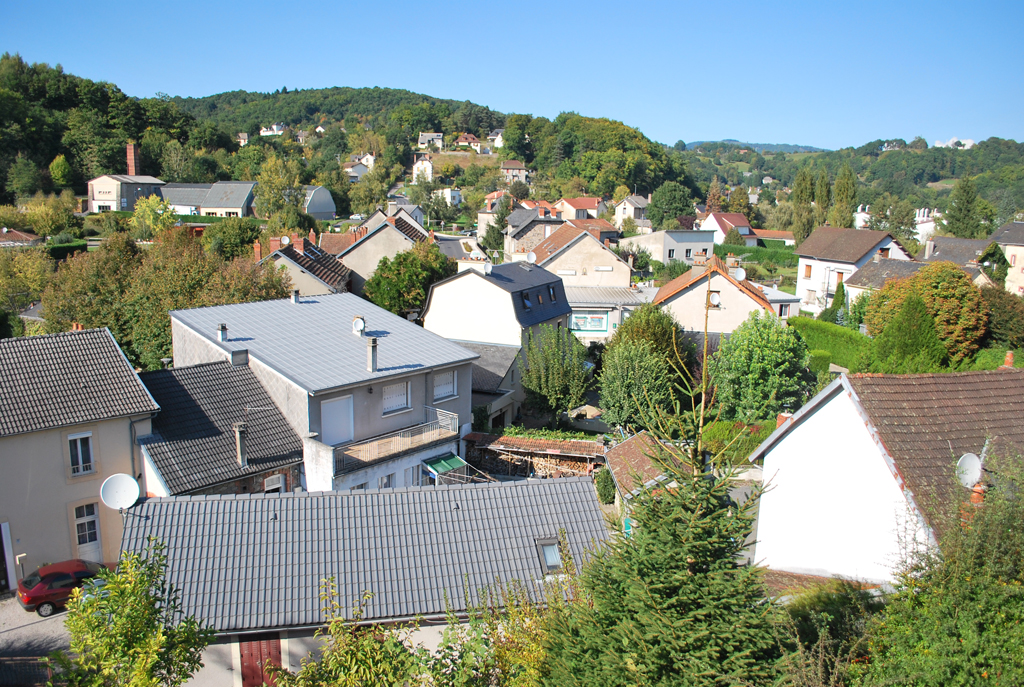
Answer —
(451, 303)
(687, 306)
(363, 257)
(117, 192)
(588, 263)
(672, 246)
(1015, 273)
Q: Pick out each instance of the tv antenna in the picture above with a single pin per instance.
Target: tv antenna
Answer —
(119, 492)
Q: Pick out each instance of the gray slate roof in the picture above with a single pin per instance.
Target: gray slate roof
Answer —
(521, 219)
(602, 295)
(494, 363)
(873, 275)
(223, 194)
(311, 342)
(185, 194)
(960, 251)
(256, 561)
(193, 443)
(1010, 234)
(66, 379)
(137, 179)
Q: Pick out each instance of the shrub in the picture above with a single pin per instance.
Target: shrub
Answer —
(735, 440)
(819, 361)
(845, 347)
(1005, 317)
(909, 344)
(783, 257)
(64, 250)
(605, 486)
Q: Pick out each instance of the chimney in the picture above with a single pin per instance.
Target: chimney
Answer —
(929, 248)
(630, 261)
(241, 429)
(257, 251)
(133, 160)
(222, 332)
(607, 243)
(876, 257)
(275, 244)
(781, 419)
(312, 237)
(295, 295)
(297, 244)
(1007, 361)
(371, 354)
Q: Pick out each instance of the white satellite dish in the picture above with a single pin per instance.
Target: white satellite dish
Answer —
(358, 325)
(741, 274)
(285, 240)
(968, 470)
(531, 258)
(119, 491)
(715, 299)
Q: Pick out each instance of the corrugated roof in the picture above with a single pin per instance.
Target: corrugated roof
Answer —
(257, 561)
(492, 366)
(193, 442)
(66, 379)
(312, 344)
(602, 295)
(841, 245)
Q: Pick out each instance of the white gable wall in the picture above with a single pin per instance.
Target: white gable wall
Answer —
(831, 505)
(687, 306)
(472, 309)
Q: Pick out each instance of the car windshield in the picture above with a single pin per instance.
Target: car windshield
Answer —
(93, 568)
(32, 580)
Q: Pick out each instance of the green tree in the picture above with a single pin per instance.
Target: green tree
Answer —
(837, 310)
(401, 285)
(633, 381)
(733, 238)
(629, 227)
(713, 203)
(669, 201)
(760, 370)
(152, 216)
(278, 186)
(52, 214)
(652, 324)
(822, 197)
(372, 189)
(893, 215)
(231, 238)
(605, 484)
(133, 633)
(23, 178)
(1005, 317)
(494, 237)
(841, 214)
(519, 190)
(963, 214)
(803, 187)
(553, 370)
(61, 173)
(908, 344)
(24, 275)
(803, 223)
(739, 201)
(621, 193)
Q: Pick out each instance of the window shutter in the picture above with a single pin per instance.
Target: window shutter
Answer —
(444, 384)
(395, 397)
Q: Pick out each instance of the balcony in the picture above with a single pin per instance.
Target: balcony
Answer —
(440, 426)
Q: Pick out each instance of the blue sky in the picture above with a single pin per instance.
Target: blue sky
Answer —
(808, 72)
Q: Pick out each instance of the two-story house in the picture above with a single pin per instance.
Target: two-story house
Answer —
(830, 255)
(71, 408)
(674, 245)
(501, 305)
(514, 170)
(378, 401)
(313, 271)
(527, 228)
(721, 223)
(355, 171)
(581, 208)
(632, 207)
(429, 138)
(390, 236)
(1010, 238)
(496, 139)
(468, 141)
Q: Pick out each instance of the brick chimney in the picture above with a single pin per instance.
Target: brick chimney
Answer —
(275, 244)
(1007, 361)
(257, 251)
(297, 243)
(134, 167)
(312, 237)
(781, 419)
(607, 243)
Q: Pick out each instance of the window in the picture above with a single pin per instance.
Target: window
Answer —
(102, 208)
(551, 292)
(807, 271)
(526, 301)
(211, 214)
(540, 298)
(550, 556)
(883, 252)
(360, 486)
(444, 384)
(86, 524)
(689, 252)
(412, 476)
(1013, 259)
(386, 482)
(589, 321)
(784, 310)
(81, 453)
(231, 214)
(273, 484)
(564, 273)
(61, 581)
(603, 268)
(396, 397)
(671, 253)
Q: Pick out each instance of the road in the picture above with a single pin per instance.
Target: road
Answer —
(26, 634)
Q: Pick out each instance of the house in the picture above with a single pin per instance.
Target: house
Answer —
(1010, 238)
(318, 203)
(507, 301)
(485, 216)
(831, 255)
(468, 141)
(464, 250)
(514, 170)
(632, 468)
(313, 272)
(239, 575)
(423, 170)
(355, 171)
(277, 129)
(496, 139)
(763, 235)
(496, 381)
(221, 199)
(320, 130)
(580, 208)
(218, 432)
(301, 137)
(723, 222)
(242, 138)
(526, 229)
(452, 196)
(375, 399)
(875, 273)
(428, 138)
(687, 296)
(337, 242)
(391, 236)
(672, 245)
(861, 217)
(783, 304)
(867, 468)
(71, 408)
(632, 207)
(120, 191)
(924, 222)
(12, 238)
(368, 159)
(539, 204)
(413, 212)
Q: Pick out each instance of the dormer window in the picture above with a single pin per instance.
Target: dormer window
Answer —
(550, 556)
(551, 292)
(526, 301)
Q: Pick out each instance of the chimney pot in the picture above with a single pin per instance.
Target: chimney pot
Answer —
(241, 455)
(1008, 360)
(222, 332)
(295, 295)
(257, 251)
(781, 419)
(371, 354)
(275, 244)
(312, 237)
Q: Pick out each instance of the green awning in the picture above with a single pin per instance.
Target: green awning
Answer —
(444, 464)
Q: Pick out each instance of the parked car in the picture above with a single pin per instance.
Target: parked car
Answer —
(357, 216)
(50, 587)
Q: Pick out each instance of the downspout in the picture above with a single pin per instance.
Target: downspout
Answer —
(131, 427)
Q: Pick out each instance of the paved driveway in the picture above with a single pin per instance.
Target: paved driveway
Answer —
(26, 634)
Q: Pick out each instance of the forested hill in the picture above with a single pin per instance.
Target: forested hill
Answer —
(238, 111)
(759, 147)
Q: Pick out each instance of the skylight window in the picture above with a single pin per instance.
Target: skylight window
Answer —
(550, 556)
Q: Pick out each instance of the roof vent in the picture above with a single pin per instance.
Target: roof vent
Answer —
(222, 332)
(241, 430)
(295, 295)
(240, 358)
(371, 354)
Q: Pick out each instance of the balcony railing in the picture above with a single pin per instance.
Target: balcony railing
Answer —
(440, 425)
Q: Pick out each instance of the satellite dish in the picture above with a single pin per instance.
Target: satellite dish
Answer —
(285, 240)
(968, 470)
(358, 325)
(741, 274)
(487, 268)
(119, 491)
(531, 258)
(715, 299)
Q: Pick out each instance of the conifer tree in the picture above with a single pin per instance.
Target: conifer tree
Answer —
(963, 216)
(822, 197)
(739, 201)
(714, 201)
(909, 344)
(803, 187)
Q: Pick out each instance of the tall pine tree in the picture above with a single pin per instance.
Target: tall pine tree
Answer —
(963, 216)
(714, 201)
(845, 201)
(803, 187)
(822, 197)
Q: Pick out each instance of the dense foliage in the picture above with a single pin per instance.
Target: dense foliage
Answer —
(845, 346)
(909, 344)
(554, 374)
(633, 379)
(401, 285)
(1005, 317)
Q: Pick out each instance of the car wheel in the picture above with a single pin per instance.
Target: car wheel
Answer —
(46, 609)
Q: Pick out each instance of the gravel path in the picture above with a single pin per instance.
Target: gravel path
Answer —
(26, 634)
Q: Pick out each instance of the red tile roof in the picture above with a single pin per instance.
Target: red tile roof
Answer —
(841, 245)
(584, 203)
(559, 239)
(512, 164)
(335, 244)
(594, 226)
(15, 236)
(693, 276)
(630, 462)
(730, 219)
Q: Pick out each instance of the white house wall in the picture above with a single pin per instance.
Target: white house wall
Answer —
(472, 309)
(588, 263)
(687, 307)
(831, 506)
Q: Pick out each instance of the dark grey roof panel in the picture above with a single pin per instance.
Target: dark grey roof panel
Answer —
(492, 366)
(255, 561)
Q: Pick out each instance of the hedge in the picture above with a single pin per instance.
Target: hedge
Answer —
(60, 251)
(819, 361)
(845, 346)
(783, 257)
(718, 434)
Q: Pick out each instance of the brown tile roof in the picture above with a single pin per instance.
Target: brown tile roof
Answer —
(559, 239)
(594, 226)
(324, 266)
(693, 276)
(567, 447)
(584, 203)
(841, 245)
(926, 422)
(773, 234)
(730, 219)
(630, 462)
(14, 236)
(512, 164)
(781, 583)
(335, 244)
(410, 230)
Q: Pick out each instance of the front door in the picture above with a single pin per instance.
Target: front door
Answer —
(336, 421)
(87, 531)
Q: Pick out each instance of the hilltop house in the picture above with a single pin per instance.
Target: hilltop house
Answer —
(377, 401)
(355, 171)
(670, 246)
(883, 448)
(468, 141)
(580, 208)
(423, 170)
(71, 408)
(632, 207)
(514, 170)
(277, 129)
(428, 138)
(831, 255)
(313, 272)
(496, 139)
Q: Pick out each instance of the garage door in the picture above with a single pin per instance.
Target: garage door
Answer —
(259, 651)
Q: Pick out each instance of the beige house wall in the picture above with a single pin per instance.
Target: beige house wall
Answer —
(579, 265)
(38, 494)
(306, 283)
(366, 254)
(1015, 273)
(107, 191)
(687, 306)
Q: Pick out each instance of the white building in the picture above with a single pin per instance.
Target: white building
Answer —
(274, 130)
(428, 137)
(670, 246)
(423, 169)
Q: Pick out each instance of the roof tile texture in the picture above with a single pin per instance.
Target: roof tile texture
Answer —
(840, 245)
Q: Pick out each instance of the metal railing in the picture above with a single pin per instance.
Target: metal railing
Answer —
(439, 425)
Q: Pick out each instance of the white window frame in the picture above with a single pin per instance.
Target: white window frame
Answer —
(77, 439)
(85, 519)
(387, 481)
(603, 268)
(784, 310)
(454, 385)
(544, 548)
(274, 484)
(671, 253)
(395, 409)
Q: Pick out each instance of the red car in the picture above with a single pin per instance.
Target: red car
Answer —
(49, 588)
